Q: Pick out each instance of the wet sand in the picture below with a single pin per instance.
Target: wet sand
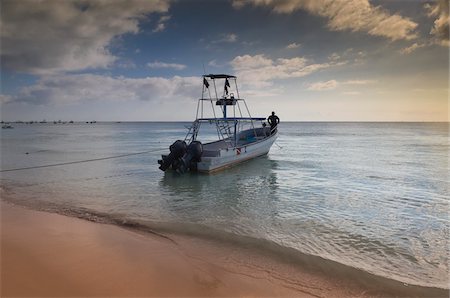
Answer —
(45, 254)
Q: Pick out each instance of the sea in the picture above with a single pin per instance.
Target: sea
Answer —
(371, 196)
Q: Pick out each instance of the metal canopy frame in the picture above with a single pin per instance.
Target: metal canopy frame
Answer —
(219, 76)
(227, 127)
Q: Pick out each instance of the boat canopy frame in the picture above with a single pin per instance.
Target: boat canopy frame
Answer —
(228, 127)
(219, 76)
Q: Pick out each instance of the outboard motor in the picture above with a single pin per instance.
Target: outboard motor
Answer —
(177, 150)
(189, 160)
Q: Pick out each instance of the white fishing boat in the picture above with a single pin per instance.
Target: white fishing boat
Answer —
(240, 136)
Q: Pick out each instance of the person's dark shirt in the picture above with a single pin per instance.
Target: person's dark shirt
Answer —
(273, 120)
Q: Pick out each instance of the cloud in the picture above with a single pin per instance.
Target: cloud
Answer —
(334, 57)
(412, 48)
(214, 63)
(158, 64)
(161, 26)
(250, 62)
(333, 84)
(440, 11)
(353, 15)
(4, 98)
(227, 38)
(69, 88)
(51, 36)
(293, 46)
(358, 82)
(320, 86)
(260, 71)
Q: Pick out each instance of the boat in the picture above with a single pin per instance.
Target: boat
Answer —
(7, 125)
(240, 137)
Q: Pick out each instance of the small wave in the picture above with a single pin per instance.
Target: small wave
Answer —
(381, 178)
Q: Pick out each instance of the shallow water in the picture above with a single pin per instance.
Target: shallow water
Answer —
(368, 195)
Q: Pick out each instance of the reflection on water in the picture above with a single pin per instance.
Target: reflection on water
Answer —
(259, 173)
(227, 194)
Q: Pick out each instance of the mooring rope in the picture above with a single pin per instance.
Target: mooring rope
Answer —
(278, 145)
(81, 161)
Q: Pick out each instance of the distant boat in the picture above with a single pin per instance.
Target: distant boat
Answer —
(7, 125)
(240, 138)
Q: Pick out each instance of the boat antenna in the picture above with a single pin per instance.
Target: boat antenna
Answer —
(204, 71)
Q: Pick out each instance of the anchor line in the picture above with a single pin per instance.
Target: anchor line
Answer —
(278, 145)
(81, 161)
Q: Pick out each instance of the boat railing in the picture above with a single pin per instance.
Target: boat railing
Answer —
(225, 130)
(192, 132)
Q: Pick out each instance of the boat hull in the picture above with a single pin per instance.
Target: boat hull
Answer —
(229, 157)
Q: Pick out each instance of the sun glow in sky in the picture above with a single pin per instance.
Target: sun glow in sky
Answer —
(309, 60)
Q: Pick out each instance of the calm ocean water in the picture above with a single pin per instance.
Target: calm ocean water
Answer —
(374, 196)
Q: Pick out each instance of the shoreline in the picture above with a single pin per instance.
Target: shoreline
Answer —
(47, 254)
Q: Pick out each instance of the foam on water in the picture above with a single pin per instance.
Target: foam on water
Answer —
(372, 196)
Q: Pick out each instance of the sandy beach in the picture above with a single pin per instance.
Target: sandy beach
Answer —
(45, 254)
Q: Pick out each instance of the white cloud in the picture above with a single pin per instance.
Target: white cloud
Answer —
(230, 38)
(358, 82)
(161, 26)
(258, 70)
(412, 48)
(51, 36)
(320, 86)
(441, 27)
(334, 57)
(214, 63)
(88, 87)
(333, 84)
(250, 62)
(353, 15)
(293, 45)
(158, 64)
(227, 38)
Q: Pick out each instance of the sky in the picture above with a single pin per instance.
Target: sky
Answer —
(308, 60)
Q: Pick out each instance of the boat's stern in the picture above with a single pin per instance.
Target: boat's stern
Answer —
(182, 157)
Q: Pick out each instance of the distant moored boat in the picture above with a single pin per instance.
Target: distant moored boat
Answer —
(7, 125)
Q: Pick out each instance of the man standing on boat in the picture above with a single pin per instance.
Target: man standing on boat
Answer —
(273, 121)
